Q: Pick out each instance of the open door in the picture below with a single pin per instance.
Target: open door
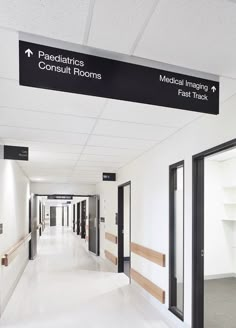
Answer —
(83, 219)
(78, 218)
(33, 227)
(40, 218)
(74, 218)
(94, 225)
(53, 216)
(124, 226)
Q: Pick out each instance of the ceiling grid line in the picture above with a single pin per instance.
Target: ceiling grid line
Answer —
(88, 117)
(88, 22)
(91, 132)
(144, 26)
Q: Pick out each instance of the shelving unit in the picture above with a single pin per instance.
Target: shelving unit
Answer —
(229, 203)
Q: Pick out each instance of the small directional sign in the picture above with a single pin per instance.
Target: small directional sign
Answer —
(15, 153)
(109, 177)
(62, 70)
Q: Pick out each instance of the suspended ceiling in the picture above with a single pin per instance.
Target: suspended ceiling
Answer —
(74, 138)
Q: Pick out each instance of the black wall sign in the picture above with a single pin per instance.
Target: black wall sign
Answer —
(63, 197)
(16, 153)
(57, 69)
(109, 177)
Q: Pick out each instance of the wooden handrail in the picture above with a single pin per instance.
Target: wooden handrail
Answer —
(14, 250)
(112, 238)
(149, 254)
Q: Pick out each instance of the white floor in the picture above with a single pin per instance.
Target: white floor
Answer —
(68, 287)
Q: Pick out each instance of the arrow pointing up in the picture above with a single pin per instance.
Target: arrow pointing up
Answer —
(213, 88)
(28, 52)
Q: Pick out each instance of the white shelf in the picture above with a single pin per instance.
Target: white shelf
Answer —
(229, 219)
(229, 203)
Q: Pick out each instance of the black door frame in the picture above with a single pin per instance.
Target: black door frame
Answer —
(121, 225)
(73, 217)
(198, 231)
(83, 218)
(78, 218)
(172, 260)
(40, 218)
(97, 225)
(63, 216)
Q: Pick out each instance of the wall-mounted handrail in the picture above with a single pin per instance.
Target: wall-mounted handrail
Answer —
(12, 252)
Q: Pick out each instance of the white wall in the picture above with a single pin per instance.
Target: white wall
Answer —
(218, 234)
(149, 177)
(14, 214)
(108, 208)
(57, 188)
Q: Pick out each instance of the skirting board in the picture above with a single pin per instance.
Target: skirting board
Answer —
(220, 276)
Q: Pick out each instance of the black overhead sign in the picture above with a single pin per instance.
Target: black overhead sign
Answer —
(63, 197)
(62, 70)
(16, 153)
(109, 177)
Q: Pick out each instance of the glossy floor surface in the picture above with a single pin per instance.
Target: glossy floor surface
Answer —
(68, 287)
(220, 301)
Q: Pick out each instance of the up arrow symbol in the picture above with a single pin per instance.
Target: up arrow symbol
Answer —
(213, 88)
(29, 52)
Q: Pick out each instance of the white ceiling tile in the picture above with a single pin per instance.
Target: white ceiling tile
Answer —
(58, 19)
(83, 180)
(104, 158)
(50, 101)
(90, 150)
(45, 121)
(9, 60)
(90, 169)
(49, 179)
(120, 142)
(42, 136)
(48, 165)
(101, 164)
(147, 114)
(116, 24)
(196, 34)
(227, 88)
(38, 155)
(131, 130)
(47, 172)
(52, 161)
(45, 146)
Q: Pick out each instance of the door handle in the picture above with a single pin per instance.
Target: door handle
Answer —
(202, 252)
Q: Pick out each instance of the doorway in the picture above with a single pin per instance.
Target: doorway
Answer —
(214, 237)
(93, 223)
(74, 218)
(78, 218)
(83, 219)
(176, 239)
(40, 218)
(53, 216)
(124, 228)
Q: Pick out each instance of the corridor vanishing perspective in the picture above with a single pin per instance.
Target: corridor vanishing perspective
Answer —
(66, 286)
(117, 164)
